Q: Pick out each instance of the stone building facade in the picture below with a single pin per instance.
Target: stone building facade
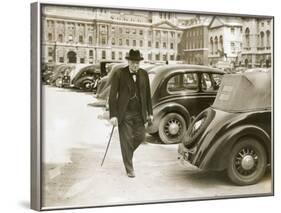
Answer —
(225, 40)
(89, 35)
(195, 40)
(257, 43)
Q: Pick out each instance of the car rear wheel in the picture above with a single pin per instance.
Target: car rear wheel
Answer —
(172, 128)
(247, 162)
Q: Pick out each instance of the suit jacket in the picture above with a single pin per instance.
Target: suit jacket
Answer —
(119, 93)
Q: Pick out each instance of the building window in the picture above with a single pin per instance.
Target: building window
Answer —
(90, 40)
(268, 38)
(113, 41)
(262, 24)
(157, 56)
(120, 42)
(50, 51)
(172, 57)
(60, 38)
(127, 42)
(127, 31)
(113, 29)
(134, 43)
(82, 60)
(113, 55)
(80, 39)
(262, 39)
(247, 37)
(172, 46)
(216, 45)
(103, 54)
(172, 34)
(221, 43)
(120, 56)
(141, 43)
(61, 59)
(91, 53)
(164, 44)
(103, 40)
(164, 57)
(157, 44)
(134, 31)
(232, 30)
(149, 43)
(50, 36)
(212, 45)
(141, 32)
(150, 56)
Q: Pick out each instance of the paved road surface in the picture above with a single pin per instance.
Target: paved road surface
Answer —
(74, 143)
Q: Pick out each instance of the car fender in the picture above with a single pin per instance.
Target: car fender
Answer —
(215, 156)
(160, 111)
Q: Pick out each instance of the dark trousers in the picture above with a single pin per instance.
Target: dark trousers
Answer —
(131, 133)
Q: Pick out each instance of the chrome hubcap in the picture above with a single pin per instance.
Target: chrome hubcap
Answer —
(246, 161)
(173, 128)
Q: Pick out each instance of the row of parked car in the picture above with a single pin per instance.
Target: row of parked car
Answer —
(222, 121)
(79, 76)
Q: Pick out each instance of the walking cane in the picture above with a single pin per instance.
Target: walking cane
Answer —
(108, 144)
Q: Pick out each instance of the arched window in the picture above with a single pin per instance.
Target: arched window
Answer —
(247, 37)
(221, 43)
(268, 38)
(216, 44)
(262, 39)
(212, 45)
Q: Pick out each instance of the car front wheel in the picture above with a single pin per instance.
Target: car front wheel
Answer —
(87, 85)
(247, 162)
(172, 128)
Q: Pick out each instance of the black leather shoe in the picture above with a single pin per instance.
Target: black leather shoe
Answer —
(131, 174)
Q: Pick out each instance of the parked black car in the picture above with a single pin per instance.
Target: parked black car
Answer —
(180, 92)
(234, 134)
(61, 75)
(86, 79)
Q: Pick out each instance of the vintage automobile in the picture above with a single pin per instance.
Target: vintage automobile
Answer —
(47, 72)
(61, 75)
(179, 93)
(87, 78)
(234, 134)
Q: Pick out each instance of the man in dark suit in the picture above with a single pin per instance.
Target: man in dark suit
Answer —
(130, 107)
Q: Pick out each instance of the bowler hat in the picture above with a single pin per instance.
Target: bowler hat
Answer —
(134, 55)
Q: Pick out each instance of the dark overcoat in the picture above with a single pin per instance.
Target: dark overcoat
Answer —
(120, 94)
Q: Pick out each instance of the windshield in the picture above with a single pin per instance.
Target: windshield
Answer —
(244, 92)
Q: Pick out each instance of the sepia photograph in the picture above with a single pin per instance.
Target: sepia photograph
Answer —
(139, 106)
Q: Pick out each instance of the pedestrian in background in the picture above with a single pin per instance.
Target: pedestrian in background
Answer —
(130, 107)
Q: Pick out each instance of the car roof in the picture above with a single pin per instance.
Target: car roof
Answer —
(164, 69)
(244, 92)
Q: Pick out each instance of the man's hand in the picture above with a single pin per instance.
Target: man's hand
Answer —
(150, 119)
(114, 121)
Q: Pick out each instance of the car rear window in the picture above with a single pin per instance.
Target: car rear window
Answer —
(183, 82)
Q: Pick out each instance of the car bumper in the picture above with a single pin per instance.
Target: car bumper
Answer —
(186, 155)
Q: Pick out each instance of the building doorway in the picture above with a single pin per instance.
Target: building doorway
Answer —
(71, 55)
